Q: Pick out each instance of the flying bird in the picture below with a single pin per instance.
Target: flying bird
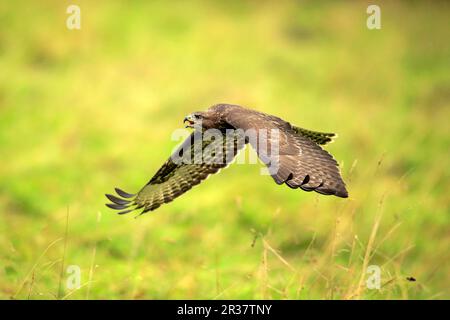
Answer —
(294, 152)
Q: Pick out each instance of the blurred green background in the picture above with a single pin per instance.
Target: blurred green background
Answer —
(83, 111)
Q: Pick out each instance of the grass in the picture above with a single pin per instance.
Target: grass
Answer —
(84, 111)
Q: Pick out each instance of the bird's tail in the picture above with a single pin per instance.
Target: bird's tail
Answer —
(321, 138)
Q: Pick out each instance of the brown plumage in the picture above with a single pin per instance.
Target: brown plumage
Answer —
(294, 152)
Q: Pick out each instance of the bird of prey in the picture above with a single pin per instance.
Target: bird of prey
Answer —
(300, 160)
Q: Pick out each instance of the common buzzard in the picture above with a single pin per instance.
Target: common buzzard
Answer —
(292, 154)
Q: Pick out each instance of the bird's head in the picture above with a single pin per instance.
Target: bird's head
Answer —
(200, 120)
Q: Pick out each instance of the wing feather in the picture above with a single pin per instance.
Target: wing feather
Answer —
(179, 173)
(302, 163)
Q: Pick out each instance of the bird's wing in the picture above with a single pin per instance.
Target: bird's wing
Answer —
(192, 162)
(292, 157)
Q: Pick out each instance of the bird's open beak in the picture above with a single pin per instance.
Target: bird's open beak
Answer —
(190, 121)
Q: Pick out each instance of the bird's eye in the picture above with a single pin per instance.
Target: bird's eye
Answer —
(196, 116)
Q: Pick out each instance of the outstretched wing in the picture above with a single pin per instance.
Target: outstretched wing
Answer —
(292, 156)
(192, 162)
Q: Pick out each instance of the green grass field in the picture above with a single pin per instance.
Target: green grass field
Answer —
(83, 111)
